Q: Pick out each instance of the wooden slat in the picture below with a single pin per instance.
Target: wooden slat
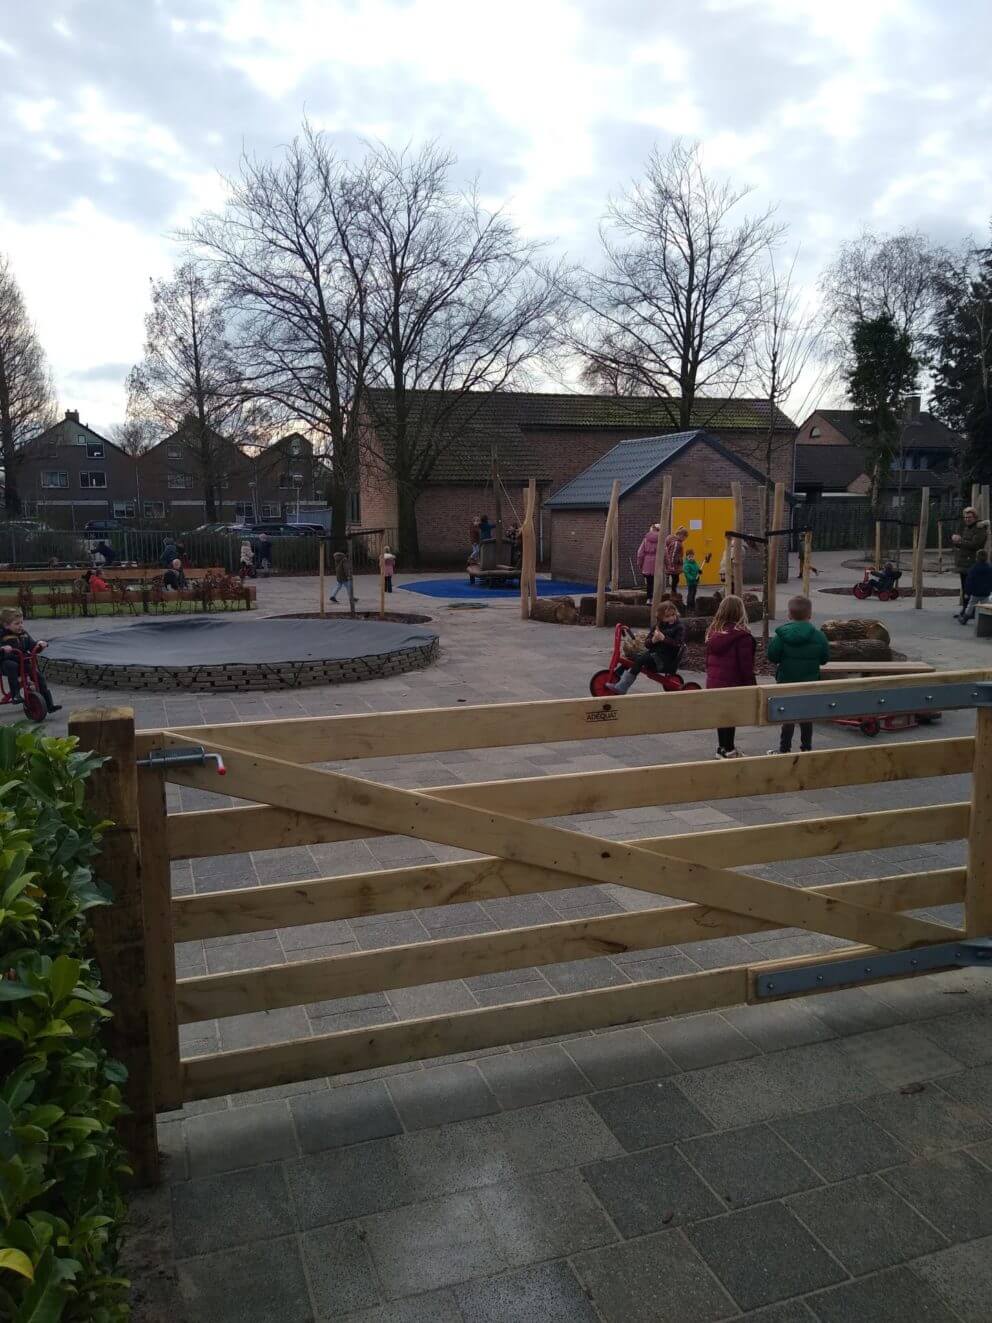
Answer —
(228, 831)
(501, 725)
(410, 813)
(267, 989)
(979, 899)
(385, 891)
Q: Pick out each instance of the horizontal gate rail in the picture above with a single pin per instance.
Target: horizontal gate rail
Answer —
(267, 827)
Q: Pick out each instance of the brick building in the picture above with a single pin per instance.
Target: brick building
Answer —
(70, 474)
(549, 437)
(702, 469)
(831, 460)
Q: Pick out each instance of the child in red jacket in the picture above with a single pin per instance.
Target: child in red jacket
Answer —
(730, 649)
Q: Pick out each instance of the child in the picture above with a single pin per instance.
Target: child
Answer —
(14, 638)
(388, 566)
(647, 557)
(730, 650)
(799, 649)
(884, 580)
(664, 647)
(95, 582)
(977, 587)
(175, 577)
(691, 571)
(342, 572)
(247, 567)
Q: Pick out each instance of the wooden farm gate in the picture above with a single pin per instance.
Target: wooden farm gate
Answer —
(289, 802)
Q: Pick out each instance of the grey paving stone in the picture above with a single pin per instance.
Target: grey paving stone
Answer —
(172, 1146)
(694, 1041)
(350, 1114)
(347, 1183)
(951, 1190)
(339, 1269)
(792, 1311)
(659, 1279)
(900, 1056)
(720, 952)
(440, 1095)
(962, 1276)
(431, 999)
(745, 1092)
(840, 1142)
(549, 1292)
(377, 933)
(263, 1027)
(865, 1225)
(241, 1137)
(457, 1157)
(300, 939)
(218, 1212)
(535, 1075)
(649, 1191)
(566, 1133)
(763, 1255)
(255, 1284)
(967, 1036)
(584, 975)
(434, 1307)
(929, 1120)
(748, 1166)
(646, 1115)
(546, 1217)
(367, 1001)
(853, 1010)
(778, 1025)
(622, 1056)
(973, 1087)
(889, 1297)
(244, 955)
(506, 993)
(430, 1245)
(277, 1092)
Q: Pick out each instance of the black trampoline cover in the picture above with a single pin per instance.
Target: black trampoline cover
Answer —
(208, 641)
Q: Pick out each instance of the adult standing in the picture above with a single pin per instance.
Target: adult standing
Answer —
(264, 552)
(674, 556)
(970, 538)
(647, 558)
(169, 553)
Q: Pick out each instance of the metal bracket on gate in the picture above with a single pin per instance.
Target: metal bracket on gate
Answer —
(879, 702)
(885, 964)
(162, 759)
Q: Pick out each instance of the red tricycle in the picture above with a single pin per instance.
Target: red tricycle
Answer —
(35, 707)
(619, 663)
(866, 587)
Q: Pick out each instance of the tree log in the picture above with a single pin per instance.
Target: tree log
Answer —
(855, 629)
(867, 650)
(555, 610)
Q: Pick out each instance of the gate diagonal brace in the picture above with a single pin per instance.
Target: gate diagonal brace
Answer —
(879, 702)
(867, 969)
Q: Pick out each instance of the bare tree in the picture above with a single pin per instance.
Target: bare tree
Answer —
(27, 395)
(894, 275)
(189, 380)
(671, 310)
(291, 251)
(784, 351)
(136, 435)
(460, 307)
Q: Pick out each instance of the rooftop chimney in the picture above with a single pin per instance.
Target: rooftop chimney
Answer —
(72, 415)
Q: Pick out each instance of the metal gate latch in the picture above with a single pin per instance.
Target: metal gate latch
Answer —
(195, 757)
(884, 964)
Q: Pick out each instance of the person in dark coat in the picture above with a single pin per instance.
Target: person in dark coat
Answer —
(169, 552)
(977, 587)
(175, 577)
(968, 540)
(15, 639)
(730, 649)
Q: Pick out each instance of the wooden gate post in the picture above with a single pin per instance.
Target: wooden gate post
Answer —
(528, 553)
(778, 514)
(920, 547)
(119, 929)
(878, 544)
(320, 576)
(605, 553)
(978, 889)
(735, 566)
(160, 944)
(807, 557)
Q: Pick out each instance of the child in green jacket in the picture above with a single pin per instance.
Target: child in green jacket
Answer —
(799, 649)
(691, 571)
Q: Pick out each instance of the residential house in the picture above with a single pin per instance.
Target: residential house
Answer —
(831, 458)
(521, 435)
(70, 474)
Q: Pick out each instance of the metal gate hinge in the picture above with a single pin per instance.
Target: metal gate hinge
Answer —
(162, 759)
(882, 965)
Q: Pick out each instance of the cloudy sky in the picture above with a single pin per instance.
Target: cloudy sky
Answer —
(119, 118)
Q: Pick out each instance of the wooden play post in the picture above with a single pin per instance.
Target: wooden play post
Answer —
(807, 557)
(878, 544)
(320, 575)
(940, 546)
(735, 564)
(920, 547)
(528, 553)
(778, 514)
(615, 556)
(120, 935)
(664, 528)
(605, 553)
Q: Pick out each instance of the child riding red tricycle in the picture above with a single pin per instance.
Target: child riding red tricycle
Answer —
(20, 678)
(884, 582)
(620, 666)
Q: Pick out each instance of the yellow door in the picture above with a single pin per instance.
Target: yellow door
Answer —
(708, 520)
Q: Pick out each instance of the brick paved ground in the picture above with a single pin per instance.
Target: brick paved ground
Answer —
(829, 1159)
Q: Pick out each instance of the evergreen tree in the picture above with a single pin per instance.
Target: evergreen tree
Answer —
(962, 358)
(883, 370)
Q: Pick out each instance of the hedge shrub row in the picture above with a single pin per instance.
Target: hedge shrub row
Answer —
(61, 1210)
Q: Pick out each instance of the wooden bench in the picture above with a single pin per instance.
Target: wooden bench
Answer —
(132, 574)
(838, 670)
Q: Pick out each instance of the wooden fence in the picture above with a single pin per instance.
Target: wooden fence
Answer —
(289, 802)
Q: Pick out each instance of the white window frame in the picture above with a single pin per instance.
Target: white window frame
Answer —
(271, 510)
(122, 509)
(86, 477)
(154, 509)
(179, 482)
(60, 474)
(94, 450)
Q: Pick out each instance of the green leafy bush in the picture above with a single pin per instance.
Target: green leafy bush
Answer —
(61, 1210)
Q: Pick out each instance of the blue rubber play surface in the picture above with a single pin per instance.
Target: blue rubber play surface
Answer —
(462, 589)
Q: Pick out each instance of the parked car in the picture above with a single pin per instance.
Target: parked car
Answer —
(236, 530)
(103, 526)
(281, 530)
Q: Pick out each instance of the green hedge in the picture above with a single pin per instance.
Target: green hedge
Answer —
(61, 1210)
